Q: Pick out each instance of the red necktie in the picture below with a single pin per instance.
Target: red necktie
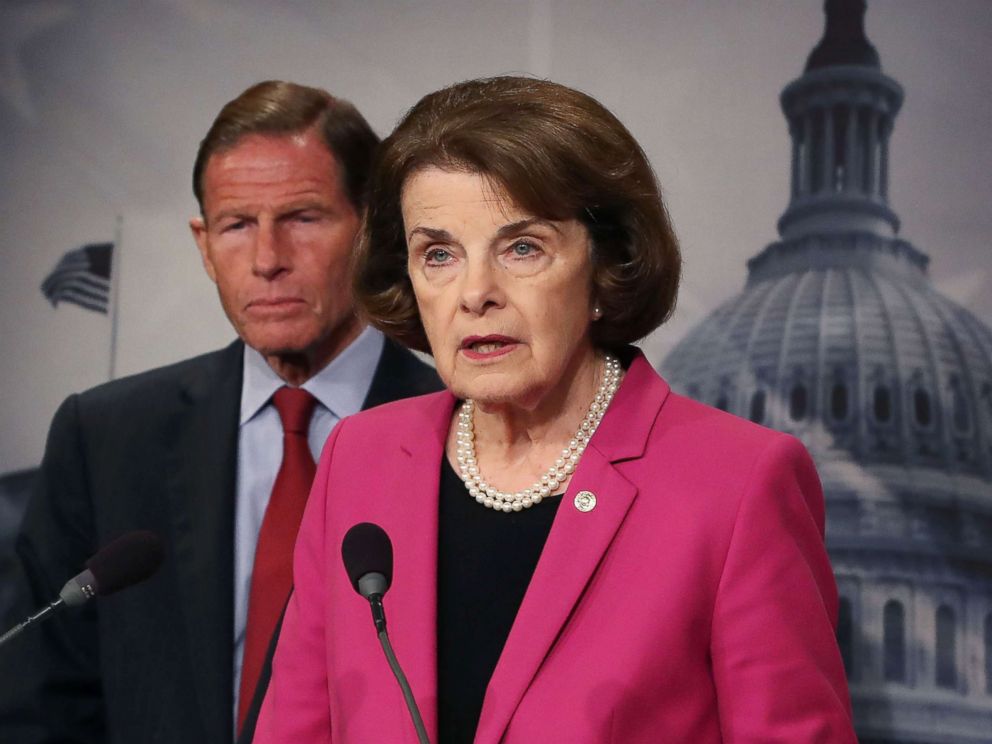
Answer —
(272, 573)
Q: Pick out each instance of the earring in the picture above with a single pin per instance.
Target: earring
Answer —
(597, 312)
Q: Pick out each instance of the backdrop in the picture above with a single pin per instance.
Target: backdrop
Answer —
(102, 105)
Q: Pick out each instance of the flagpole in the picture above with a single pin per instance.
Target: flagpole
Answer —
(115, 282)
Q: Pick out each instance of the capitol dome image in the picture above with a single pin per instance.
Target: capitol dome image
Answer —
(840, 338)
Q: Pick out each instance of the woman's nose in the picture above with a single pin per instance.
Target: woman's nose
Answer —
(480, 288)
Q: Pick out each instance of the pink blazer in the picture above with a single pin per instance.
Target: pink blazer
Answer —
(695, 602)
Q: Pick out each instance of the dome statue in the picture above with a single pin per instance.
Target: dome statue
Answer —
(840, 338)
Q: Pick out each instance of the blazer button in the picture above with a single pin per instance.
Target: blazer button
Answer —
(585, 501)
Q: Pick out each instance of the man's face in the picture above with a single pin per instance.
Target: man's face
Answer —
(276, 235)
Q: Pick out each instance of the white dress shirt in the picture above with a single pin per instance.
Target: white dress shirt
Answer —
(340, 389)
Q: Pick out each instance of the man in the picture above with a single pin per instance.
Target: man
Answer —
(202, 453)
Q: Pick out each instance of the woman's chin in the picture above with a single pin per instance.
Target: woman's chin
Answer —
(492, 391)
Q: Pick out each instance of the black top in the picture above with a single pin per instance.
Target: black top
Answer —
(485, 561)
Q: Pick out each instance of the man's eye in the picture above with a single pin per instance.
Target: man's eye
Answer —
(234, 225)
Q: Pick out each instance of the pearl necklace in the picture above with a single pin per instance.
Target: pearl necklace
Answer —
(558, 473)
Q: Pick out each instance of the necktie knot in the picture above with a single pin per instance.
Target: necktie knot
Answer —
(295, 407)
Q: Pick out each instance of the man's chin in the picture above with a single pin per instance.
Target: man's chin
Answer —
(279, 346)
(304, 345)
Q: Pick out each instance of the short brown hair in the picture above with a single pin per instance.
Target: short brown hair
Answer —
(281, 108)
(558, 153)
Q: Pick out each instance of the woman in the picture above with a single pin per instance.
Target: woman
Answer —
(581, 555)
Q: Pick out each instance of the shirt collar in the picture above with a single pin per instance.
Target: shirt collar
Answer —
(341, 386)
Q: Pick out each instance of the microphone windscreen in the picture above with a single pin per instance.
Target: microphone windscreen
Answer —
(131, 558)
(366, 549)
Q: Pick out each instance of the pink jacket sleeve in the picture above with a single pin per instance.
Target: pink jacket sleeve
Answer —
(776, 665)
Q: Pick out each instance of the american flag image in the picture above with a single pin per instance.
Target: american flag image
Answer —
(82, 277)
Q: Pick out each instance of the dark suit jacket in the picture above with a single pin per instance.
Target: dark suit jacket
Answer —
(154, 451)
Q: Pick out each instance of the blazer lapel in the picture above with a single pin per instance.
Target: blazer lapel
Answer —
(202, 465)
(575, 547)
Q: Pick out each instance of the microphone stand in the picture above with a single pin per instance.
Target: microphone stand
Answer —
(411, 704)
(40, 615)
(368, 559)
(372, 583)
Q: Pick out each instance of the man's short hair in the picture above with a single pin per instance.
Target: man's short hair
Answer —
(276, 107)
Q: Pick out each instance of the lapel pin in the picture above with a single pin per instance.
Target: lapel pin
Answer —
(585, 501)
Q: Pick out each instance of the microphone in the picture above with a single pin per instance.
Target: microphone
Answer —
(368, 560)
(128, 560)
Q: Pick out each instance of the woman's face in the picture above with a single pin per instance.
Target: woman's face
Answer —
(504, 296)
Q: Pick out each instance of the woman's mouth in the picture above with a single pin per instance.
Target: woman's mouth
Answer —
(487, 347)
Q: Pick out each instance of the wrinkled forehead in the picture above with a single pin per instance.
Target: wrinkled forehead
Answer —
(501, 189)
(494, 191)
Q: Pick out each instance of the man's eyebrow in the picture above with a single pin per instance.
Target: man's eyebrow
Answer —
(243, 211)
(239, 212)
(303, 204)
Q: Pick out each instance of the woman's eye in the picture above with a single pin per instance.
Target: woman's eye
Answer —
(522, 249)
(437, 256)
